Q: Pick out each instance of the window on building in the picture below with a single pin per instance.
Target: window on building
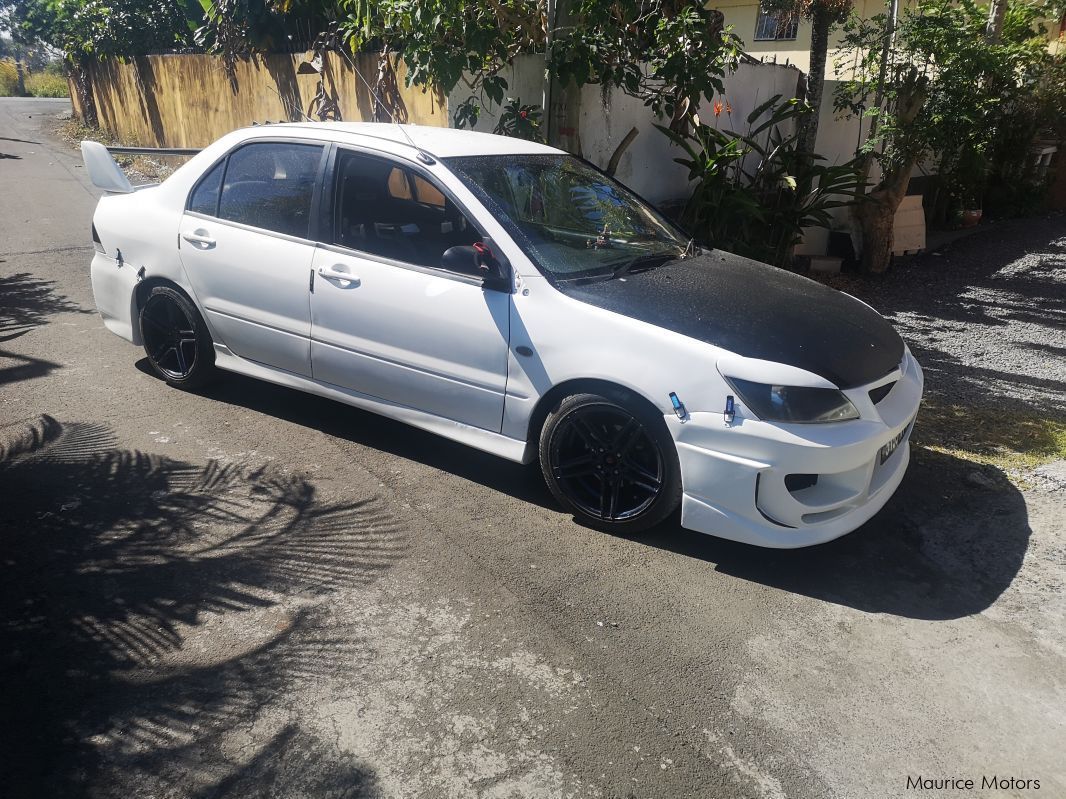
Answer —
(775, 25)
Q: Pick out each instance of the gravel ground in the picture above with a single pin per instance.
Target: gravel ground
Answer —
(986, 316)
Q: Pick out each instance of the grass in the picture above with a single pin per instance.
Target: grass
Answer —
(1012, 439)
(46, 84)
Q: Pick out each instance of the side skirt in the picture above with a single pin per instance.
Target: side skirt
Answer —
(509, 448)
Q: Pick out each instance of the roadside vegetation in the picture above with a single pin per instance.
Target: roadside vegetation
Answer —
(49, 82)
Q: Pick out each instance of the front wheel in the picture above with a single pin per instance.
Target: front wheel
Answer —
(611, 462)
(175, 339)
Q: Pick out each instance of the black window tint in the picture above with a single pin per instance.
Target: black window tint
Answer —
(269, 185)
(376, 212)
(204, 199)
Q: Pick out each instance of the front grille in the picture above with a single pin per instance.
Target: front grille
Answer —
(798, 482)
(879, 393)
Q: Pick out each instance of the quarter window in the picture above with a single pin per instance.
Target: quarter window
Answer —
(391, 211)
(775, 25)
(269, 185)
(204, 198)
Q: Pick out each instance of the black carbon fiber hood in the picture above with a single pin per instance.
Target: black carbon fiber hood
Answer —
(757, 311)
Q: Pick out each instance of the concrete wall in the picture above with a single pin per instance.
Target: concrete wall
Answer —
(525, 81)
(647, 165)
(189, 101)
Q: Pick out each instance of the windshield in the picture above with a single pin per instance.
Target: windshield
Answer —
(573, 221)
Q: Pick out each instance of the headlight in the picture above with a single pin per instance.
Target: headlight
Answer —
(794, 403)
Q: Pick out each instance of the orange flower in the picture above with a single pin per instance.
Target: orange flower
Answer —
(728, 107)
(717, 107)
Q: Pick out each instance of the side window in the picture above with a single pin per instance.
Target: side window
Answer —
(390, 211)
(204, 198)
(269, 185)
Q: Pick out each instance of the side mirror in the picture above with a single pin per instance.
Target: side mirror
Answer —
(479, 260)
(463, 259)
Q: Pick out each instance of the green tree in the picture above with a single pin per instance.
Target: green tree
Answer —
(87, 29)
(938, 90)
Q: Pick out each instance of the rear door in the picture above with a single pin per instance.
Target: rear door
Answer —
(246, 243)
(387, 320)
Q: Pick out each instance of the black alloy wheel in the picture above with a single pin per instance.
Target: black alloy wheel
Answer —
(175, 338)
(614, 466)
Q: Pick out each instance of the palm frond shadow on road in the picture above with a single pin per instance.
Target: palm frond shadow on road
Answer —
(118, 569)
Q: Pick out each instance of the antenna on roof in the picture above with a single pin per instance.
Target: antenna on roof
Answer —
(286, 106)
(421, 154)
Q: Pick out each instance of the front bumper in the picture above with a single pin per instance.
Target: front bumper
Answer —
(788, 485)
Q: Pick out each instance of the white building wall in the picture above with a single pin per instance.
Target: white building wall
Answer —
(647, 166)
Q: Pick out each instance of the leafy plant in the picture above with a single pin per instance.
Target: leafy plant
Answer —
(669, 53)
(520, 121)
(756, 192)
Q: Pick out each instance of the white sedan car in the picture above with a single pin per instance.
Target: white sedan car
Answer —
(512, 297)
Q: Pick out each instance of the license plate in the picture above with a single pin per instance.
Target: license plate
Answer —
(890, 447)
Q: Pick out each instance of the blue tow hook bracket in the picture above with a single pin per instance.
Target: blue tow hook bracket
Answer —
(679, 407)
(730, 411)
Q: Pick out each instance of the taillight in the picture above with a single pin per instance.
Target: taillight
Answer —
(96, 240)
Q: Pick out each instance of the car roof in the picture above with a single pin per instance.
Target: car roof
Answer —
(440, 142)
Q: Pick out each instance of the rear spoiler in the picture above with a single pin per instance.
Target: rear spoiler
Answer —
(106, 174)
(103, 171)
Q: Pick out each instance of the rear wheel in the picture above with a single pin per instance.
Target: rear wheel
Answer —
(611, 462)
(175, 339)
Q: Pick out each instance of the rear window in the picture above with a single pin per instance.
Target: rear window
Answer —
(269, 185)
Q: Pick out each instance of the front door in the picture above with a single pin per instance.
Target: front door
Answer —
(246, 246)
(386, 319)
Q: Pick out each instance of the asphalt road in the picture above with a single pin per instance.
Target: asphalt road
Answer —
(252, 592)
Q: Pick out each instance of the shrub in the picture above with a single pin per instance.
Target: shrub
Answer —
(8, 78)
(46, 84)
(755, 192)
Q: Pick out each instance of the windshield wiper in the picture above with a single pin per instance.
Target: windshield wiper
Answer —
(643, 260)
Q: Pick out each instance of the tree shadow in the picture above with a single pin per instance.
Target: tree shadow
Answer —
(151, 608)
(148, 89)
(26, 302)
(283, 72)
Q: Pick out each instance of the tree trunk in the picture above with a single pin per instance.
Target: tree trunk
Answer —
(877, 215)
(20, 73)
(996, 13)
(821, 23)
(85, 94)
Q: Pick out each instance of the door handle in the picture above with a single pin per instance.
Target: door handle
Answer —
(198, 237)
(334, 273)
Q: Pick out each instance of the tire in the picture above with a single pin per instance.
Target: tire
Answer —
(611, 462)
(175, 339)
